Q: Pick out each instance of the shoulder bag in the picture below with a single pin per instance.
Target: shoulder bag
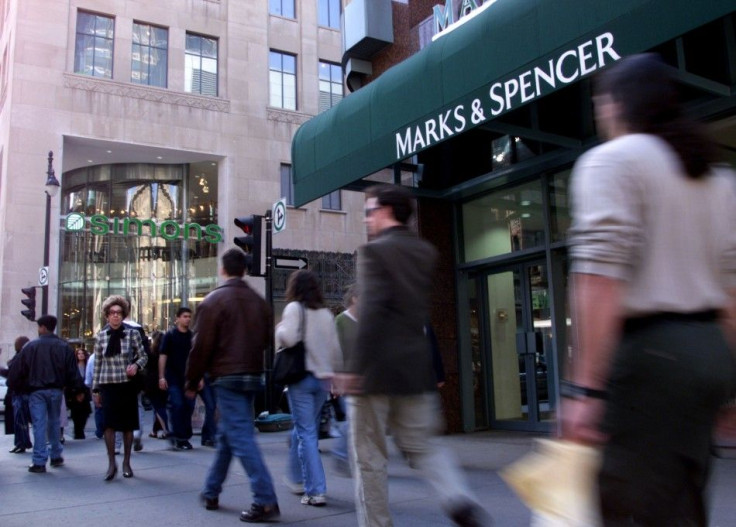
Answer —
(289, 365)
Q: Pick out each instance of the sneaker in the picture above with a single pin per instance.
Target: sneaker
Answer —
(470, 515)
(317, 500)
(294, 488)
(211, 504)
(183, 445)
(57, 462)
(37, 469)
(137, 445)
(260, 513)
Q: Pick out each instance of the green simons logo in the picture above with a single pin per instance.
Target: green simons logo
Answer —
(101, 225)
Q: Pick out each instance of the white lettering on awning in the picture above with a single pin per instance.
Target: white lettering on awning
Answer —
(505, 95)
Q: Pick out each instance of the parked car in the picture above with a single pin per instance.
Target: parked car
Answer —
(3, 392)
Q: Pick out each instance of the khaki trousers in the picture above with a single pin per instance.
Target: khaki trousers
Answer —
(413, 421)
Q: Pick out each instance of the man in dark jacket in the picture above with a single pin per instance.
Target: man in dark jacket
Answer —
(389, 373)
(231, 331)
(44, 368)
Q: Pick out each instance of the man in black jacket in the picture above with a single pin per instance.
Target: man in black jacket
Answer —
(44, 368)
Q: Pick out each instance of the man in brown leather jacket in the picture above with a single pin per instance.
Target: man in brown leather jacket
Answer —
(231, 331)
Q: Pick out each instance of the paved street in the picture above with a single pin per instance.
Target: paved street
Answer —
(166, 485)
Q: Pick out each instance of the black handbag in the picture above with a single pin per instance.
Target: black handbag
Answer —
(289, 365)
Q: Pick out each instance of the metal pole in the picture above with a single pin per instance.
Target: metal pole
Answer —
(46, 241)
(270, 403)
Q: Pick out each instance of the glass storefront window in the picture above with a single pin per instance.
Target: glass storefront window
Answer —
(150, 234)
(559, 201)
(504, 222)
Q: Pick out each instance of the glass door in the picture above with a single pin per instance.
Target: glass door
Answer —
(518, 334)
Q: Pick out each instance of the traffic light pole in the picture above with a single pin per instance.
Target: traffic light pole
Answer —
(270, 406)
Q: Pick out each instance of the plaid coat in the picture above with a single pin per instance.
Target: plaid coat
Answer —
(109, 370)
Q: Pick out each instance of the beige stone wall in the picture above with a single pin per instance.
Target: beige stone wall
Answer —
(47, 106)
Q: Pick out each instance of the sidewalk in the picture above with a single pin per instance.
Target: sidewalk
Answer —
(166, 485)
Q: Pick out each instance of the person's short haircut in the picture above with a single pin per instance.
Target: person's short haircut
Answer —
(47, 321)
(234, 262)
(350, 293)
(398, 198)
(20, 342)
(116, 300)
(182, 310)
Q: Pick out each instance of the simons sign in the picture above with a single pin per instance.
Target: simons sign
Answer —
(508, 93)
(101, 225)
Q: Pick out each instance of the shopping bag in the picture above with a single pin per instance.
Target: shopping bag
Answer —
(558, 481)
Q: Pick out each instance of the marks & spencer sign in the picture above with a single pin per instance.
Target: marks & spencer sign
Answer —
(508, 93)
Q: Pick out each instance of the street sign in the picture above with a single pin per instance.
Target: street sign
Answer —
(279, 216)
(43, 276)
(290, 262)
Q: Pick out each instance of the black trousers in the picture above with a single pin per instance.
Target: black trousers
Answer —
(670, 375)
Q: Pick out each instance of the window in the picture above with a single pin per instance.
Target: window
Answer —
(329, 13)
(200, 65)
(149, 60)
(94, 45)
(282, 80)
(332, 201)
(283, 8)
(330, 85)
(287, 185)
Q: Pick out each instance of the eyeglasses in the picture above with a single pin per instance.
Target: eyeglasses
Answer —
(116, 312)
(370, 210)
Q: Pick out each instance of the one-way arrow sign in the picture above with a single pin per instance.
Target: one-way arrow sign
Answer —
(290, 262)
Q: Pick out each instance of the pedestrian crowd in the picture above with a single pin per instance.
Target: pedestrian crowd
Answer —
(643, 326)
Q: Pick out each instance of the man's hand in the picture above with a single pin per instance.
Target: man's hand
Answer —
(79, 397)
(347, 384)
(581, 419)
(191, 394)
(97, 399)
(162, 384)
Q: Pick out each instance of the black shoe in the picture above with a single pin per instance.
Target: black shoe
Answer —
(260, 513)
(111, 471)
(183, 445)
(211, 504)
(57, 462)
(470, 515)
(137, 445)
(37, 469)
(127, 472)
(18, 450)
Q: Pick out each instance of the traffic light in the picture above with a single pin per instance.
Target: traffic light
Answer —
(30, 303)
(252, 243)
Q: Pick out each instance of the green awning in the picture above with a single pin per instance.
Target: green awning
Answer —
(510, 54)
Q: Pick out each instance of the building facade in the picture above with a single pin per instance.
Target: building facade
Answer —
(166, 121)
(482, 107)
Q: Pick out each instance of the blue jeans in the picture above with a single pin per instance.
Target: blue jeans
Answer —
(305, 465)
(45, 406)
(209, 427)
(340, 446)
(21, 420)
(99, 422)
(182, 409)
(236, 437)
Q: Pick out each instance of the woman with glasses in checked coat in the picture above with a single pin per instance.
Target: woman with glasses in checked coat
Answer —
(119, 355)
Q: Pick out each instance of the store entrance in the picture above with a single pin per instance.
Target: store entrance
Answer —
(516, 327)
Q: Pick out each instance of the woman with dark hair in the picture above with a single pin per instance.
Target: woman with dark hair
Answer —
(306, 318)
(653, 283)
(17, 412)
(78, 399)
(119, 355)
